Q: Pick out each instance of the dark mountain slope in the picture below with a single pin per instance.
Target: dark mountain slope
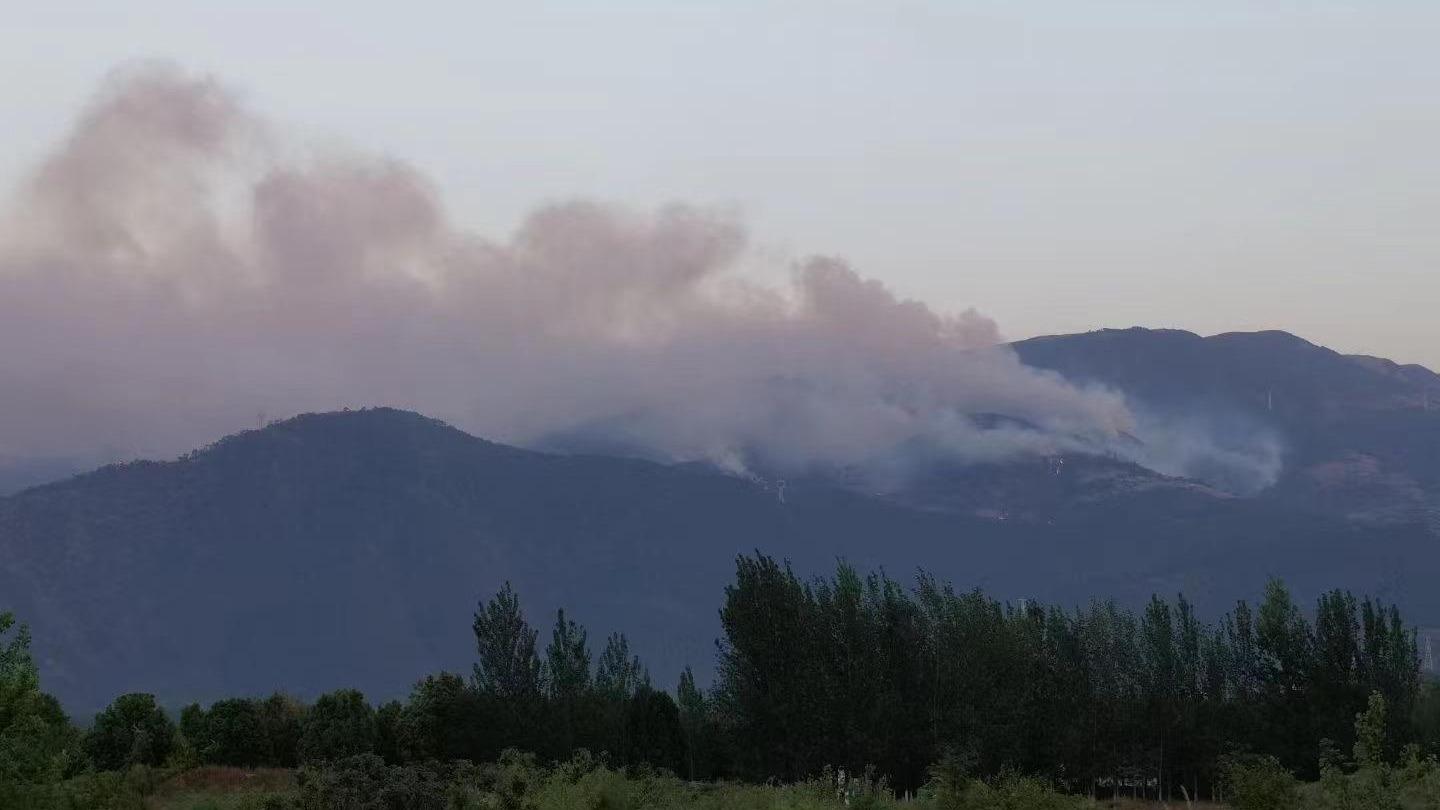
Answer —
(350, 548)
(1262, 372)
(1361, 434)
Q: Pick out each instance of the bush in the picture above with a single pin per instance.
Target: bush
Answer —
(365, 782)
(107, 790)
(951, 787)
(1260, 783)
(1379, 786)
(1009, 792)
(515, 780)
(599, 788)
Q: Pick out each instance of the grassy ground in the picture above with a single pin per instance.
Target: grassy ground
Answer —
(216, 788)
(1149, 804)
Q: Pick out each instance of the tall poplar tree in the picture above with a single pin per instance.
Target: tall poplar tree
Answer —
(509, 666)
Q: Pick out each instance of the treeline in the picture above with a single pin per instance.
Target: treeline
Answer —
(854, 670)
(552, 704)
(846, 672)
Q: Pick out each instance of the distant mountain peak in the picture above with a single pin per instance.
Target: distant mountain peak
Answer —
(377, 424)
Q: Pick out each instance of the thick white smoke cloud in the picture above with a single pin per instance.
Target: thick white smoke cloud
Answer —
(170, 273)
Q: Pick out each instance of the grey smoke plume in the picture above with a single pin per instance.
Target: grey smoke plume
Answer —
(171, 272)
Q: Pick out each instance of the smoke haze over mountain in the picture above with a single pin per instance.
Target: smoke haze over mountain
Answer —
(174, 271)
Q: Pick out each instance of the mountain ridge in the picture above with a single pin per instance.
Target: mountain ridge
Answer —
(349, 548)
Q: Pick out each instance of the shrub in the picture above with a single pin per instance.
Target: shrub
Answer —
(1260, 783)
(1009, 792)
(951, 787)
(110, 790)
(365, 782)
(515, 779)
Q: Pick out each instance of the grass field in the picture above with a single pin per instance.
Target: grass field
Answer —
(219, 788)
(216, 788)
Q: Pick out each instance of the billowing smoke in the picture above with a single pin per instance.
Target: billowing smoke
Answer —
(171, 273)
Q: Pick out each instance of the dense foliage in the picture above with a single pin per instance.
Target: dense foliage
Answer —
(951, 697)
(132, 731)
(37, 742)
(857, 670)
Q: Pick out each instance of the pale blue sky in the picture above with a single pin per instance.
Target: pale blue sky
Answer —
(1059, 165)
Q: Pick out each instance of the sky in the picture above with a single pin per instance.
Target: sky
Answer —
(1061, 166)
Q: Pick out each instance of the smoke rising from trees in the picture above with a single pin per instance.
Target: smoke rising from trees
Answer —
(173, 270)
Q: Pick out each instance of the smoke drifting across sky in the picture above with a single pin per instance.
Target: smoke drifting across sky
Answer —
(171, 272)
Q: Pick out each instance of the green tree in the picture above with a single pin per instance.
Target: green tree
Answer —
(1390, 664)
(1260, 783)
(694, 722)
(619, 674)
(1370, 733)
(770, 674)
(340, 724)
(653, 732)
(1427, 718)
(194, 728)
(281, 720)
(234, 734)
(445, 720)
(387, 731)
(509, 666)
(1335, 679)
(19, 677)
(1286, 645)
(567, 659)
(37, 742)
(133, 730)
(1160, 683)
(568, 684)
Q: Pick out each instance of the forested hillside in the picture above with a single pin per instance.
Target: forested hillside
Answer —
(1360, 436)
(342, 547)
